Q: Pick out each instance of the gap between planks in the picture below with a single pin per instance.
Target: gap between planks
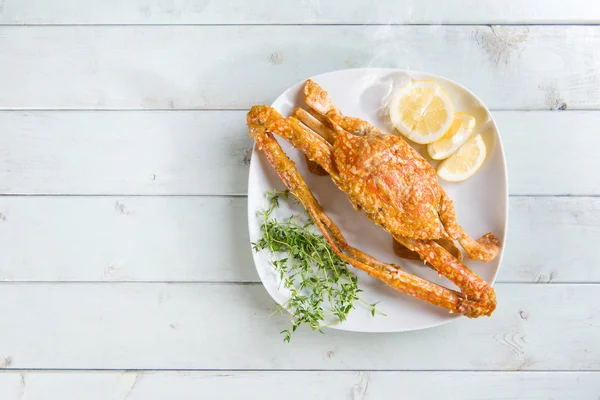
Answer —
(244, 195)
(441, 25)
(256, 283)
(42, 109)
(291, 371)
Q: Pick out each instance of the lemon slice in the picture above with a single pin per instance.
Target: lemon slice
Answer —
(422, 111)
(465, 162)
(462, 127)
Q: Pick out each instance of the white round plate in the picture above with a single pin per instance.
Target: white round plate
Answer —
(481, 201)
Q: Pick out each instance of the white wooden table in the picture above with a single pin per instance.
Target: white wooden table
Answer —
(125, 266)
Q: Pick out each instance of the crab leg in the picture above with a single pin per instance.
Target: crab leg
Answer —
(313, 166)
(444, 263)
(403, 252)
(319, 101)
(313, 146)
(484, 249)
(314, 124)
(317, 151)
(389, 274)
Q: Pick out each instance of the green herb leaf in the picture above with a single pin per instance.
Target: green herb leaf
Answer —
(311, 271)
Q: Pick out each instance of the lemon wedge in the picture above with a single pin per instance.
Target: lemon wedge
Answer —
(461, 128)
(465, 162)
(422, 111)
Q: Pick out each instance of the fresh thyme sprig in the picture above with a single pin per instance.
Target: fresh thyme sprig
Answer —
(321, 286)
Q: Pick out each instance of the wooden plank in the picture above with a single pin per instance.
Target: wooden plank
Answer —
(205, 152)
(294, 12)
(551, 239)
(234, 67)
(222, 326)
(124, 153)
(546, 150)
(547, 238)
(298, 385)
(125, 239)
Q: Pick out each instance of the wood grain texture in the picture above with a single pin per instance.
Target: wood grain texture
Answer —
(125, 239)
(222, 326)
(551, 239)
(124, 153)
(296, 12)
(234, 67)
(298, 385)
(205, 152)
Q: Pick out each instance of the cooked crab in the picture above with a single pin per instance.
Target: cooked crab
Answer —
(396, 188)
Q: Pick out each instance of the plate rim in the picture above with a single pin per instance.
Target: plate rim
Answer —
(366, 70)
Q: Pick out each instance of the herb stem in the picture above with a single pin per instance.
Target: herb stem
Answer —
(309, 269)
